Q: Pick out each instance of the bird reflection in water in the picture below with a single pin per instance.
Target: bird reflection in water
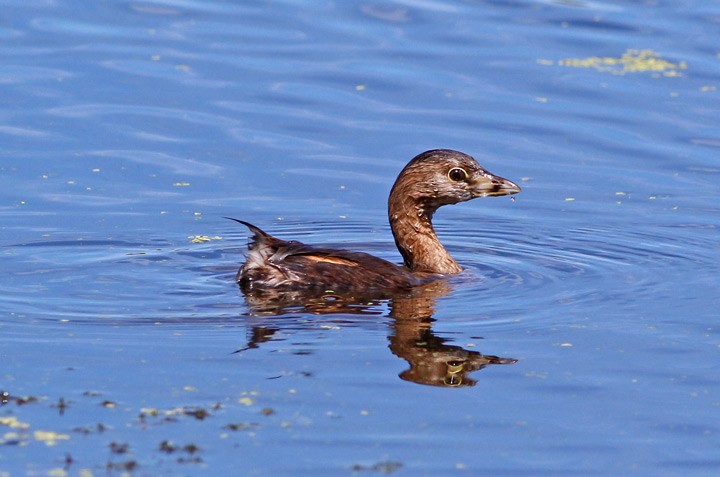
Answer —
(433, 361)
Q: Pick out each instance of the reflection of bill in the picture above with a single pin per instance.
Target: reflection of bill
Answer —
(432, 360)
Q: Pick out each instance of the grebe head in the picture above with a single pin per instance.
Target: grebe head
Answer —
(442, 176)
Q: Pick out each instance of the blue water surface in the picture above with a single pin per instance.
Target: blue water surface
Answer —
(585, 323)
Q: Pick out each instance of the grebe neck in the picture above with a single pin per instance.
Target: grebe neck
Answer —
(411, 223)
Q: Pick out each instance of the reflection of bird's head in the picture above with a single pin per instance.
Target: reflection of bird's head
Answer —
(448, 366)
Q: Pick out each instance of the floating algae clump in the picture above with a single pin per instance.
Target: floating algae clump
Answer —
(632, 61)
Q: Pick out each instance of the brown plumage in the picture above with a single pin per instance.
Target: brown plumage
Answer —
(432, 179)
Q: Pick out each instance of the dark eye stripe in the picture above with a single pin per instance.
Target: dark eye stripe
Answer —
(457, 174)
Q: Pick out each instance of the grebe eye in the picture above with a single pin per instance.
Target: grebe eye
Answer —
(457, 174)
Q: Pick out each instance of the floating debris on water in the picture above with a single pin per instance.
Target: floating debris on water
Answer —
(632, 61)
(119, 448)
(203, 238)
(170, 447)
(381, 467)
(198, 412)
(50, 438)
(13, 423)
(241, 426)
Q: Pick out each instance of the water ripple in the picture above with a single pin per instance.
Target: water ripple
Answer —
(590, 267)
(95, 110)
(178, 165)
(21, 74)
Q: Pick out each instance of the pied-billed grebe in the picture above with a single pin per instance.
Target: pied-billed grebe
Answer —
(430, 180)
